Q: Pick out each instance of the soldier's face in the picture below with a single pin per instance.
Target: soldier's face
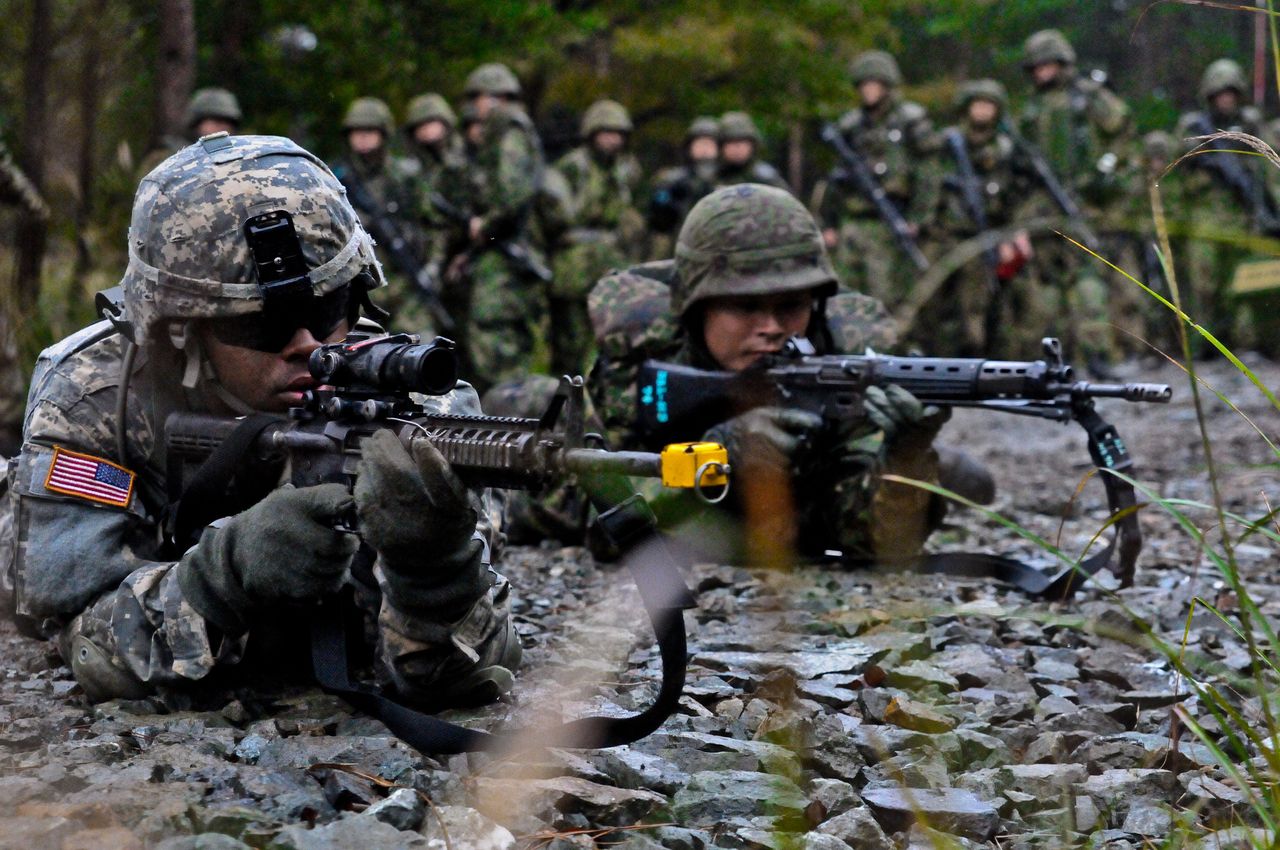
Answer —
(484, 104)
(608, 141)
(430, 132)
(982, 112)
(872, 92)
(364, 141)
(739, 331)
(1045, 73)
(703, 148)
(208, 126)
(738, 151)
(271, 382)
(1225, 102)
(474, 132)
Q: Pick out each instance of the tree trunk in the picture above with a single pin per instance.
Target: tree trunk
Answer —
(90, 102)
(175, 67)
(33, 234)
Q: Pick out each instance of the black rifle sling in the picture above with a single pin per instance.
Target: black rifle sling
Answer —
(629, 525)
(205, 497)
(1108, 453)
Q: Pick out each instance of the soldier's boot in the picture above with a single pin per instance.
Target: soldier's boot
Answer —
(965, 475)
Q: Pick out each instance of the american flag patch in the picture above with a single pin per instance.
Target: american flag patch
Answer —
(89, 477)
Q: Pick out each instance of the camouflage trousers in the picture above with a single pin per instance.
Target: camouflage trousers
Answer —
(1080, 312)
(961, 320)
(1206, 259)
(505, 325)
(577, 268)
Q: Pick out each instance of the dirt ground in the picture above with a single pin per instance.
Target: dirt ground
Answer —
(824, 708)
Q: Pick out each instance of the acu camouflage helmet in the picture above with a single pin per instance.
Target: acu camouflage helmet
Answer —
(188, 256)
(213, 103)
(605, 115)
(875, 65)
(429, 107)
(368, 113)
(1222, 74)
(493, 78)
(987, 89)
(738, 126)
(748, 239)
(1047, 46)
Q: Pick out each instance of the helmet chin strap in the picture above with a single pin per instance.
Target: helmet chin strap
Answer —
(198, 371)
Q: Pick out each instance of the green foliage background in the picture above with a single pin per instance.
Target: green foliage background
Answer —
(783, 60)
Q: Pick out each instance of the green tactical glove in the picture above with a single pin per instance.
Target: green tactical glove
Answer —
(901, 416)
(283, 549)
(764, 435)
(419, 517)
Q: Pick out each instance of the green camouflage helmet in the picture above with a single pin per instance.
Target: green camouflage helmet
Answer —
(1047, 46)
(875, 65)
(492, 78)
(736, 126)
(605, 115)
(703, 125)
(1222, 74)
(188, 257)
(368, 113)
(429, 107)
(986, 89)
(213, 103)
(748, 239)
(1158, 145)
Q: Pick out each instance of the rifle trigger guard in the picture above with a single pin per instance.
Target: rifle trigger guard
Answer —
(718, 468)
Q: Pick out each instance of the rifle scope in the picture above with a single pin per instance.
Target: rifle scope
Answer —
(390, 364)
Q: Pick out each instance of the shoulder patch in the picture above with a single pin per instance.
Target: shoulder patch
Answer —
(91, 478)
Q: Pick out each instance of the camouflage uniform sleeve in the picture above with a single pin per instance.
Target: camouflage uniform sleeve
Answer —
(15, 188)
(426, 659)
(1109, 113)
(92, 573)
(517, 170)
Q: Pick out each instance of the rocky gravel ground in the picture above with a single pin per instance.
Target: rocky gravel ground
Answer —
(825, 709)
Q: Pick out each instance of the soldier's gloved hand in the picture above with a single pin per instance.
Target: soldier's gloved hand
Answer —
(283, 549)
(900, 415)
(418, 515)
(765, 434)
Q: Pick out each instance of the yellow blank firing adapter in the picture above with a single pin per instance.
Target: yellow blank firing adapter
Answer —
(696, 466)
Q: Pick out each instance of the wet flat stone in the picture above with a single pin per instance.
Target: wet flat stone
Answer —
(951, 810)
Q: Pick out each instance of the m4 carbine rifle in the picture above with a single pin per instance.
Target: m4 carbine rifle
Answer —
(220, 466)
(676, 399)
(389, 235)
(857, 172)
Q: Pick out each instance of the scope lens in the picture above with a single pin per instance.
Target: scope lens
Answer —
(430, 369)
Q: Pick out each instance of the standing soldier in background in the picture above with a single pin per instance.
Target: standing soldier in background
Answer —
(740, 144)
(678, 188)
(1230, 209)
(210, 110)
(992, 306)
(16, 191)
(507, 303)
(606, 229)
(430, 127)
(896, 139)
(1083, 129)
(381, 187)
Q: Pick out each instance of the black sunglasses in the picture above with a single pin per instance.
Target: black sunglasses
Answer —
(271, 329)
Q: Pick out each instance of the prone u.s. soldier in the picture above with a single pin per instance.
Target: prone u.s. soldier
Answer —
(204, 332)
